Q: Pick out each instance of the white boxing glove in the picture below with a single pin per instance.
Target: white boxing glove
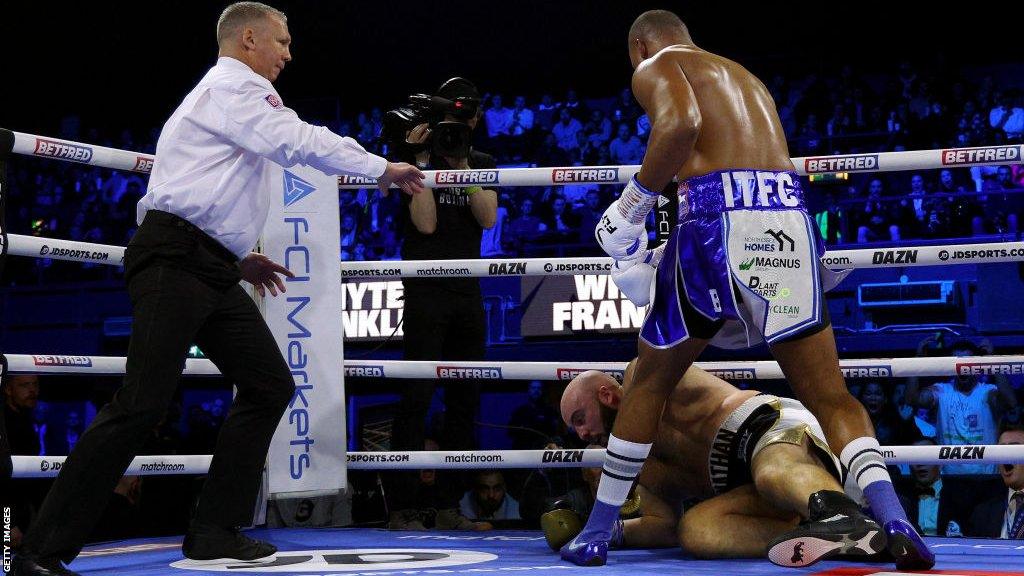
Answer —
(635, 278)
(621, 232)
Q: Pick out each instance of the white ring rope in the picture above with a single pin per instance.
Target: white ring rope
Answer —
(49, 466)
(938, 367)
(46, 147)
(986, 253)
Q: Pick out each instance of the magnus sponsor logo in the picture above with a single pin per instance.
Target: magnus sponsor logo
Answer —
(63, 150)
(852, 163)
(570, 373)
(585, 175)
(738, 374)
(143, 164)
(990, 368)
(985, 154)
(562, 456)
(62, 361)
(506, 268)
(962, 453)
(879, 371)
(460, 373)
(364, 371)
(762, 263)
(894, 257)
(466, 177)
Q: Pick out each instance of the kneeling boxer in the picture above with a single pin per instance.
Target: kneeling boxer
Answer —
(759, 465)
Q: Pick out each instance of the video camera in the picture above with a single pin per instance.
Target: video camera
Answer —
(447, 137)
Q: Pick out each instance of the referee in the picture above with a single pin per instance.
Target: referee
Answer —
(205, 208)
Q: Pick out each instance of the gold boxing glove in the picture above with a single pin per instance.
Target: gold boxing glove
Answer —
(560, 526)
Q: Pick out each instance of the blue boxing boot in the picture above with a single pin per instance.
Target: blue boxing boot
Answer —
(590, 547)
(907, 547)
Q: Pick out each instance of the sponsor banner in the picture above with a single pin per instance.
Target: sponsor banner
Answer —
(465, 177)
(352, 561)
(364, 371)
(70, 254)
(980, 254)
(848, 163)
(572, 175)
(507, 268)
(579, 304)
(143, 164)
(308, 450)
(872, 371)
(570, 373)
(734, 374)
(994, 154)
(989, 368)
(84, 361)
(372, 310)
(63, 150)
(463, 373)
(894, 257)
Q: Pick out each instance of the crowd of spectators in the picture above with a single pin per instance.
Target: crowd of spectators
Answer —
(846, 112)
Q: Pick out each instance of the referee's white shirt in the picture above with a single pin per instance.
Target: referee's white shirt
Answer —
(215, 157)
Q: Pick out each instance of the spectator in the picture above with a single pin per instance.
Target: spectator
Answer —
(589, 215)
(527, 226)
(535, 423)
(547, 111)
(573, 104)
(550, 153)
(626, 109)
(875, 217)
(21, 395)
(349, 233)
(890, 429)
(1003, 515)
(499, 125)
(586, 153)
(966, 214)
(1007, 115)
(521, 128)
(565, 130)
(598, 129)
(488, 500)
(934, 511)
(626, 149)
(560, 221)
(967, 408)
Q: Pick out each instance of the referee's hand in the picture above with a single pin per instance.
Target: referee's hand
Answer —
(262, 272)
(406, 176)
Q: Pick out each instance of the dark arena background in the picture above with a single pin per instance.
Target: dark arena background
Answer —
(933, 239)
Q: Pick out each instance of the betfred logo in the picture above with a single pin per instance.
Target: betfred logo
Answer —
(977, 155)
(62, 361)
(880, 371)
(570, 373)
(356, 181)
(63, 150)
(460, 373)
(466, 177)
(989, 368)
(585, 175)
(740, 374)
(853, 163)
(364, 371)
(143, 164)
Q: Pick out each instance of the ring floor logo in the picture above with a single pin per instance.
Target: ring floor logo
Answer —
(347, 560)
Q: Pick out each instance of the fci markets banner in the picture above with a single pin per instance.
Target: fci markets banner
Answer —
(308, 451)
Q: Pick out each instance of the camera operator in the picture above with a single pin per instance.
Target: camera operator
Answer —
(443, 317)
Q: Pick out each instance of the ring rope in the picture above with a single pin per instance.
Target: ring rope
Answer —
(68, 150)
(984, 253)
(946, 366)
(48, 466)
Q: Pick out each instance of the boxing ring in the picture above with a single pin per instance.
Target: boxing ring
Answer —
(378, 552)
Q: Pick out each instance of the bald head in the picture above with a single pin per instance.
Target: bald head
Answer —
(659, 25)
(240, 15)
(589, 403)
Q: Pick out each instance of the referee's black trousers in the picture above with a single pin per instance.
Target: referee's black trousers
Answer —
(184, 288)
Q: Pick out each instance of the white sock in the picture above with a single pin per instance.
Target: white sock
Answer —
(621, 467)
(863, 458)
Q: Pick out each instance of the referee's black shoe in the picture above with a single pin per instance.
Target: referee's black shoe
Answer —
(30, 565)
(837, 526)
(215, 544)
